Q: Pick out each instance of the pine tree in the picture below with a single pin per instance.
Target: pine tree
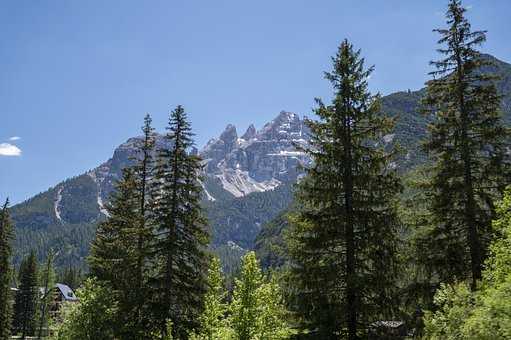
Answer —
(48, 280)
(25, 305)
(6, 236)
(467, 143)
(343, 242)
(181, 226)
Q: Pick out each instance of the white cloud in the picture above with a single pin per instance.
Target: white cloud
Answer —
(7, 149)
(14, 138)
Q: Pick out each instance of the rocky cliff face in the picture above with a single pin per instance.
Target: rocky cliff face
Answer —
(258, 160)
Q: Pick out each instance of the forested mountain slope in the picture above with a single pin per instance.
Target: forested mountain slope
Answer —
(248, 181)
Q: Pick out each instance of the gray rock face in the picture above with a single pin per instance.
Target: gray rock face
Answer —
(108, 173)
(259, 160)
(250, 133)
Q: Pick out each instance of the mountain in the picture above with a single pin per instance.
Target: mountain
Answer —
(247, 181)
(409, 131)
(258, 160)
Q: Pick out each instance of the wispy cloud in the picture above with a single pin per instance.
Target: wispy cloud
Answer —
(7, 149)
(14, 138)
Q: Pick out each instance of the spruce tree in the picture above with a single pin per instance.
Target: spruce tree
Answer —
(6, 236)
(143, 171)
(114, 257)
(467, 143)
(27, 297)
(182, 237)
(343, 243)
(121, 252)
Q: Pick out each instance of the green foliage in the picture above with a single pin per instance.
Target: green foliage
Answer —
(212, 324)
(270, 245)
(27, 296)
(484, 313)
(344, 239)
(47, 278)
(257, 309)
(91, 318)
(121, 253)
(38, 229)
(114, 253)
(245, 307)
(180, 248)
(6, 236)
(455, 304)
(467, 143)
(227, 217)
(256, 312)
(420, 276)
(71, 276)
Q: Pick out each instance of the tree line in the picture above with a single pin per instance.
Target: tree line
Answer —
(358, 254)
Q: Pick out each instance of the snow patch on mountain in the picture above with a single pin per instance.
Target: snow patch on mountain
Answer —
(102, 207)
(57, 204)
(98, 181)
(209, 197)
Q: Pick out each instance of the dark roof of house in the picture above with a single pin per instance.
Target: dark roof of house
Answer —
(66, 292)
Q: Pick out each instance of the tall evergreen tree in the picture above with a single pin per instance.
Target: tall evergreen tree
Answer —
(181, 226)
(121, 252)
(6, 236)
(467, 143)
(343, 241)
(27, 297)
(113, 257)
(143, 171)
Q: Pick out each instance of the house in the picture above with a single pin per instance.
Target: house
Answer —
(64, 293)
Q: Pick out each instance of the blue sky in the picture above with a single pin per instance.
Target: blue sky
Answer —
(77, 77)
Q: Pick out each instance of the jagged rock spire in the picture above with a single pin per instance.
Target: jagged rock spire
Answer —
(250, 133)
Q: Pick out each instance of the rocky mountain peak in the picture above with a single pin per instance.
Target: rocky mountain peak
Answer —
(229, 135)
(259, 160)
(250, 133)
(286, 126)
